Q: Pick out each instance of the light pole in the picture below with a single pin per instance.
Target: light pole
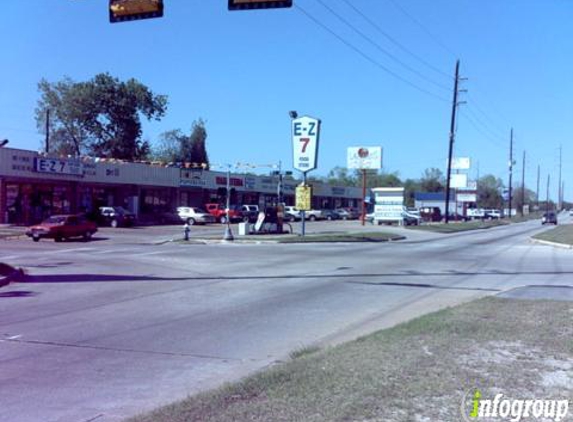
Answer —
(3, 142)
(228, 232)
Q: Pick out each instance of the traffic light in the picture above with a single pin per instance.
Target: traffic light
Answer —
(258, 4)
(128, 10)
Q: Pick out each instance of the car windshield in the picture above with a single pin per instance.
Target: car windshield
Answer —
(55, 220)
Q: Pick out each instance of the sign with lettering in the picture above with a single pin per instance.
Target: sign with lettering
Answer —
(303, 197)
(364, 158)
(58, 166)
(305, 134)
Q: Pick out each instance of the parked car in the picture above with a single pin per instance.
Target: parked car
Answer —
(115, 217)
(431, 214)
(61, 227)
(475, 213)
(291, 213)
(549, 218)
(250, 213)
(329, 215)
(411, 219)
(348, 213)
(492, 214)
(194, 215)
(220, 213)
(313, 215)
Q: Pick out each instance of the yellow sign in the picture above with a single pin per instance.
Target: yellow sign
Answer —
(303, 197)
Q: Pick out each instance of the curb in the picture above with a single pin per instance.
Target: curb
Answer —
(549, 243)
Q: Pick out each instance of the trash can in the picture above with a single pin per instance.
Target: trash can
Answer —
(244, 229)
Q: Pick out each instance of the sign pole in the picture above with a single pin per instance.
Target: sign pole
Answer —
(303, 212)
(363, 196)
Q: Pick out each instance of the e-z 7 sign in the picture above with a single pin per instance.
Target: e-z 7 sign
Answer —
(305, 133)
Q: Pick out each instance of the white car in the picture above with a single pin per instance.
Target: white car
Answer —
(291, 213)
(195, 215)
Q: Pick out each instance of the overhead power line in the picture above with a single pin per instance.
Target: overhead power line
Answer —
(368, 57)
(380, 48)
(426, 30)
(397, 43)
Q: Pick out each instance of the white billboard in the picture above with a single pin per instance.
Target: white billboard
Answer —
(305, 133)
(460, 163)
(389, 204)
(466, 197)
(459, 181)
(364, 158)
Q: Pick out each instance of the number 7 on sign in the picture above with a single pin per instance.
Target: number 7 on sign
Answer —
(305, 142)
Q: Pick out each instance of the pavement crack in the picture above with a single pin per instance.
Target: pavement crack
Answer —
(119, 349)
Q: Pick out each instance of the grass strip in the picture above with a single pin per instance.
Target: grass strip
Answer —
(455, 227)
(342, 237)
(560, 234)
(416, 371)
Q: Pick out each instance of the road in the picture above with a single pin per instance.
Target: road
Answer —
(110, 328)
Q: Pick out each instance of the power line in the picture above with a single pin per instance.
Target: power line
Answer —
(395, 42)
(495, 135)
(476, 127)
(367, 57)
(426, 30)
(380, 48)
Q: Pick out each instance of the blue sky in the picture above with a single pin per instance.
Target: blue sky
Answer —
(243, 71)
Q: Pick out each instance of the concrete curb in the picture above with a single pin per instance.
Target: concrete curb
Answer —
(554, 244)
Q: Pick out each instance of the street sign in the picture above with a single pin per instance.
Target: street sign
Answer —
(303, 198)
(258, 4)
(364, 158)
(305, 134)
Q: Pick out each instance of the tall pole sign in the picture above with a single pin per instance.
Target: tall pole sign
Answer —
(305, 136)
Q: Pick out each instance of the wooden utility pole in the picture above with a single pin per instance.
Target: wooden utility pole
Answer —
(547, 193)
(510, 167)
(47, 130)
(522, 185)
(452, 138)
(537, 194)
(560, 192)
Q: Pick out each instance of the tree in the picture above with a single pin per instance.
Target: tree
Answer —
(432, 180)
(411, 186)
(169, 148)
(99, 117)
(196, 149)
(488, 192)
(383, 179)
(339, 176)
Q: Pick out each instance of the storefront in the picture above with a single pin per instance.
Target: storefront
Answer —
(34, 186)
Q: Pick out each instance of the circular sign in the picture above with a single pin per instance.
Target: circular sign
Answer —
(363, 152)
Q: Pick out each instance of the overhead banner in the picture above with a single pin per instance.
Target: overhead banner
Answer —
(364, 158)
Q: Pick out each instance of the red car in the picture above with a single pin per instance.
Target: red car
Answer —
(218, 211)
(60, 227)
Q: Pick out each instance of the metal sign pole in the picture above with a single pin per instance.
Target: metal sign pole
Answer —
(303, 212)
(363, 217)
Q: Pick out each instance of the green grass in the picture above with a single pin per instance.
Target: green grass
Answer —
(342, 237)
(455, 227)
(560, 234)
(416, 371)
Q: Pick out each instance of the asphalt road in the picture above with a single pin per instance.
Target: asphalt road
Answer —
(113, 327)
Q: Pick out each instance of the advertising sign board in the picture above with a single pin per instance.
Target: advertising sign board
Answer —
(303, 198)
(364, 158)
(461, 163)
(388, 204)
(58, 166)
(458, 181)
(305, 134)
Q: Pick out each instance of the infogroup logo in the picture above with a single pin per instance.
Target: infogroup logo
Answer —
(474, 407)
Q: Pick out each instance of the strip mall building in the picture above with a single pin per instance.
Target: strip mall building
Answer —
(34, 186)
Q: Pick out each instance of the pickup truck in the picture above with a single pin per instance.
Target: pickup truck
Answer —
(218, 211)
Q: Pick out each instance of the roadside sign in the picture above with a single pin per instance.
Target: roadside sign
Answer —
(305, 134)
(303, 198)
(459, 181)
(460, 163)
(364, 158)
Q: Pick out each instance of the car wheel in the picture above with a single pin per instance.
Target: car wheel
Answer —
(223, 219)
(329, 218)
(191, 221)
(36, 238)
(312, 218)
(246, 219)
(87, 235)
(58, 239)
(113, 223)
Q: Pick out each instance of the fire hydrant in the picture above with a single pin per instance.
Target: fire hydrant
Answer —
(186, 231)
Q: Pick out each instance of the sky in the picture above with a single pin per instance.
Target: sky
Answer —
(376, 72)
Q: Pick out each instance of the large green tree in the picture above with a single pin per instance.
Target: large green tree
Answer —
(432, 180)
(99, 117)
(195, 150)
(489, 192)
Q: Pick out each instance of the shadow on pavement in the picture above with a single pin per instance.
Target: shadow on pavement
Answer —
(18, 293)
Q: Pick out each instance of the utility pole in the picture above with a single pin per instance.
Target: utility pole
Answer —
(537, 194)
(559, 198)
(47, 130)
(547, 193)
(523, 185)
(452, 138)
(510, 166)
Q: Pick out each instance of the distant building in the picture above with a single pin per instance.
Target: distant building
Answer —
(35, 185)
